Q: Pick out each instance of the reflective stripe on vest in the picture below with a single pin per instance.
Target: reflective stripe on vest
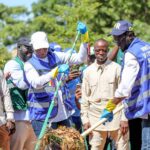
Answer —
(41, 105)
(142, 79)
(39, 99)
(144, 95)
(46, 89)
(138, 104)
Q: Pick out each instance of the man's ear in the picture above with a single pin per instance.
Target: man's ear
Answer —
(130, 36)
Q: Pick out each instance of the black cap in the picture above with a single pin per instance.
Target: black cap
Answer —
(23, 41)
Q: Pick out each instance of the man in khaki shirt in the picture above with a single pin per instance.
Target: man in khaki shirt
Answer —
(7, 124)
(100, 80)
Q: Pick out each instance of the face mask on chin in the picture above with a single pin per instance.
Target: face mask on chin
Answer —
(23, 56)
(25, 53)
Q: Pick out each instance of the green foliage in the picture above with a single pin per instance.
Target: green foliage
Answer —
(135, 11)
(4, 56)
(58, 18)
(12, 24)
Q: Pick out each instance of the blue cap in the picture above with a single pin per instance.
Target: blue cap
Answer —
(55, 47)
(121, 27)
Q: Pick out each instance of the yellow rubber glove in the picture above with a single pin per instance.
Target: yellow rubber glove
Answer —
(54, 72)
(110, 106)
(85, 37)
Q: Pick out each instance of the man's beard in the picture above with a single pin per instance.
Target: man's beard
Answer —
(125, 44)
(124, 47)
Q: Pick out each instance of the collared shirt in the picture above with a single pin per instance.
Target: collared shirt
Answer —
(99, 85)
(17, 77)
(38, 81)
(6, 109)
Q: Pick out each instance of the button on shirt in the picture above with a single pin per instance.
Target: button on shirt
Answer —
(99, 85)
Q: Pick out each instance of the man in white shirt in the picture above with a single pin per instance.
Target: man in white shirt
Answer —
(134, 124)
(41, 71)
(134, 85)
(24, 137)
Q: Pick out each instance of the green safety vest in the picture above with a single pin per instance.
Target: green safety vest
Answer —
(18, 96)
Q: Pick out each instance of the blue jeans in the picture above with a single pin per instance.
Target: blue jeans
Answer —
(37, 126)
(77, 121)
(146, 134)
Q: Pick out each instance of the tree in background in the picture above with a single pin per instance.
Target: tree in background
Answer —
(4, 56)
(12, 26)
(58, 18)
(137, 12)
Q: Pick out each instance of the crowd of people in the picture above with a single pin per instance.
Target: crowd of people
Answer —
(94, 81)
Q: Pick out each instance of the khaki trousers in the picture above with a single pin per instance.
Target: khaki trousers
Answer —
(24, 138)
(98, 140)
(4, 138)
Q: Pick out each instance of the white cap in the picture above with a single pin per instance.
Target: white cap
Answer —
(39, 40)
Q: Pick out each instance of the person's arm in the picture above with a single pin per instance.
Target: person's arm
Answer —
(34, 78)
(129, 74)
(76, 58)
(8, 108)
(16, 74)
(112, 55)
(124, 127)
(85, 102)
